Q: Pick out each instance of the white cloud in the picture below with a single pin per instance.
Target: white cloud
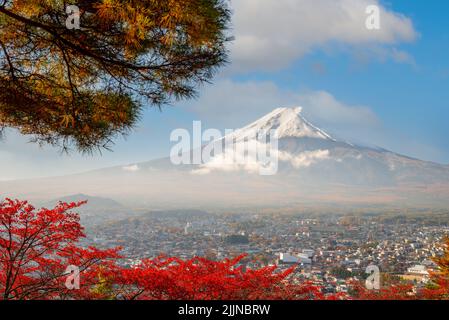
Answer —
(271, 34)
(327, 109)
(225, 162)
(233, 161)
(234, 104)
(131, 168)
(242, 156)
(304, 159)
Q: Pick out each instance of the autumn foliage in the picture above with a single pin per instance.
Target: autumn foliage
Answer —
(202, 279)
(80, 87)
(37, 246)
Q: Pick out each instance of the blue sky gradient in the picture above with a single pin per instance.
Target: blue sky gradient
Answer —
(409, 96)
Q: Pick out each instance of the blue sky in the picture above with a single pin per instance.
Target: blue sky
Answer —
(389, 88)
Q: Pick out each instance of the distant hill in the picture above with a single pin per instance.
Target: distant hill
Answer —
(96, 210)
(93, 203)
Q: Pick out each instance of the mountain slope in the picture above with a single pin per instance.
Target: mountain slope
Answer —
(313, 168)
(288, 122)
(95, 211)
(315, 156)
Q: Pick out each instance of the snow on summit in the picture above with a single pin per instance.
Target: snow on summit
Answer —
(288, 122)
(302, 146)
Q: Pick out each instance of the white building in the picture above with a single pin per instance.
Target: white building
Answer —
(418, 270)
(187, 228)
(290, 259)
(308, 252)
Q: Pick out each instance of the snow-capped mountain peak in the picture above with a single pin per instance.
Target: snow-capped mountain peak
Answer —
(287, 122)
(310, 167)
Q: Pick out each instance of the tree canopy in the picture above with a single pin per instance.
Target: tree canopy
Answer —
(81, 87)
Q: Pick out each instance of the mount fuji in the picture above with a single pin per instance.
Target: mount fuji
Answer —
(314, 168)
